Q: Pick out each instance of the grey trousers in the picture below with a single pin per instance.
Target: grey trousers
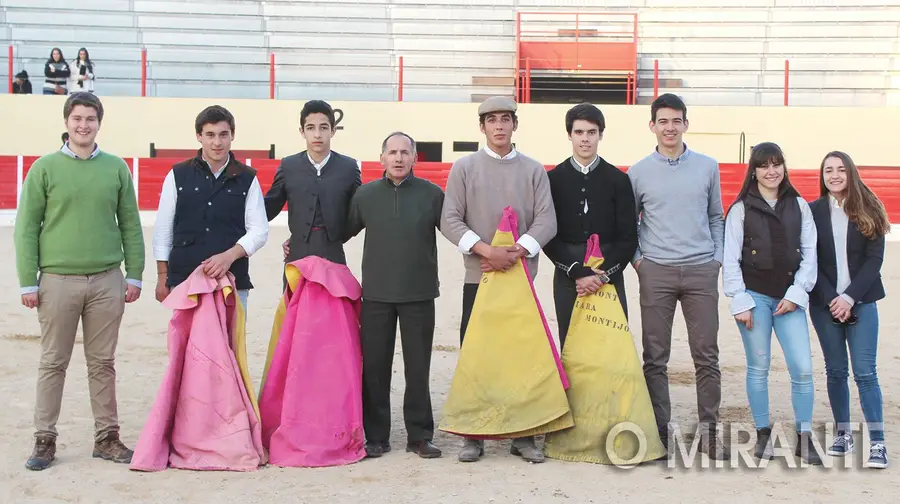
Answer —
(661, 287)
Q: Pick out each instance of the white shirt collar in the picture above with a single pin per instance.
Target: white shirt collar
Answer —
(220, 170)
(585, 168)
(67, 151)
(494, 155)
(318, 166)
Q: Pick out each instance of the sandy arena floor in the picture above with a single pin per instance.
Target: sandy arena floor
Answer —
(400, 477)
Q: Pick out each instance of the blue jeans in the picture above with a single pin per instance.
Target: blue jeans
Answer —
(862, 340)
(792, 332)
(243, 295)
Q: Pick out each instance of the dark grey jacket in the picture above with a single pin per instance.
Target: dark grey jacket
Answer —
(297, 184)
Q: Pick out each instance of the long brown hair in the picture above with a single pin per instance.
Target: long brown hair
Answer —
(861, 205)
(761, 155)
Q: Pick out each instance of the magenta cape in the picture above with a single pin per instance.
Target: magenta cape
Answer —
(203, 417)
(311, 395)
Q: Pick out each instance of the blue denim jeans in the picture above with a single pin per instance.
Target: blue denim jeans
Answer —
(243, 295)
(862, 340)
(792, 332)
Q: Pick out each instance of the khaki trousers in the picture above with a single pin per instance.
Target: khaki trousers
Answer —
(98, 301)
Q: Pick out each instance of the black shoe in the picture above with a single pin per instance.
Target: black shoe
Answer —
(423, 449)
(375, 450)
(43, 454)
(806, 449)
(763, 448)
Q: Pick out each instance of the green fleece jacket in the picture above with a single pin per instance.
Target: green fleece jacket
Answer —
(399, 263)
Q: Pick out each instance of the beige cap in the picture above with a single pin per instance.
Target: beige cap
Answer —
(497, 104)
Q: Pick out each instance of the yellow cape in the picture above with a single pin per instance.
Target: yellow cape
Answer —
(607, 392)
(507, 383)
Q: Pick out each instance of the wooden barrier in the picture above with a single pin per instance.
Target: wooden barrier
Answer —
(883, 180)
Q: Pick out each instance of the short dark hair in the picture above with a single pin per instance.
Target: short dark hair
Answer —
(398, 133)
(669, 101)
(213, 114)
(317, 107)
(482, 117)
(585, 112)
(86, 99)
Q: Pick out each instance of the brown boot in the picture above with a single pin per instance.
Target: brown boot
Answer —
(43, 454)
(111, 448)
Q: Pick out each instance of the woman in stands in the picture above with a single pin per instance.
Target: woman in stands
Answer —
(82, 73)
(851, 223)
(770, 267)
(57, 72)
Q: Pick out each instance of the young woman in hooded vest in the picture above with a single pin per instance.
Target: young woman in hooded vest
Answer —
(851, 223)
(770, 267)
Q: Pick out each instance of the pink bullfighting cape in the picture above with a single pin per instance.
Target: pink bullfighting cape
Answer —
(204, 416)
(509, 381)
(311, 394)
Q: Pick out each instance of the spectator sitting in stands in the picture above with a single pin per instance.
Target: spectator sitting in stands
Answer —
(82, 78)
(57, 72)
(22, 85)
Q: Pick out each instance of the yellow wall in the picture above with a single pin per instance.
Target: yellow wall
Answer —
(33, 125)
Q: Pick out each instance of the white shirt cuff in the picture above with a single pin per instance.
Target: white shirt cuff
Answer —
(742, 302)
(29, 290)
(248, 244)
(797, 296)
(161, 254)
(136, 283)
(467, 242)
(530, 244)
(848, 299)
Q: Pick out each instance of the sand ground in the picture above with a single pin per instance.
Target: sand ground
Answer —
(400, 477)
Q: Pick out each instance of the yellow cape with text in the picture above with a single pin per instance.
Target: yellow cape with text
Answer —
(607, 392)
(507, 383)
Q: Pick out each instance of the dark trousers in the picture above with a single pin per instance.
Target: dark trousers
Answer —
(564, 296)
(379, 332)
(696, 287)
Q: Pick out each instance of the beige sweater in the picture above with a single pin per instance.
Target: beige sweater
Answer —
(479, 187)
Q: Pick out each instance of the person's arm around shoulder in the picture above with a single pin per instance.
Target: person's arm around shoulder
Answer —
(26, 236)
(733, 285)
(276, 196)
(716, 213)
(163, 233)
(633, 176)
(544, 226)
(797, 294)
(355, 220)
(129, 219)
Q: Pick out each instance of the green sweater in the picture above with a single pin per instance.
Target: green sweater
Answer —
(399, 263)
(78, 217)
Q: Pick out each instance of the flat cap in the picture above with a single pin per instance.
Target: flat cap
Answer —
(497, 104)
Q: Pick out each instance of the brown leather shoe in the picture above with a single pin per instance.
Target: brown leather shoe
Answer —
(43, 454)
(424, 449)
(111, 448)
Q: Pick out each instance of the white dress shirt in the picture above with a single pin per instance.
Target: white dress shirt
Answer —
(839, 224)
(469, 239)
(319, 166)
(732, 278)
(255, 219)
(585, 169)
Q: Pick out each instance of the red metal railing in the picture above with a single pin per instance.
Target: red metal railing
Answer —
(591, 44)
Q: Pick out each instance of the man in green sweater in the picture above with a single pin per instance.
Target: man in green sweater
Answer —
(76, 222)
(401, 214)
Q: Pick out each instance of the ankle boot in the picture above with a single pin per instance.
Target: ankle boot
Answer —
(763, 448)
(806, 449)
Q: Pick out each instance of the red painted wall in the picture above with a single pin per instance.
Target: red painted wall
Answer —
(883, 180)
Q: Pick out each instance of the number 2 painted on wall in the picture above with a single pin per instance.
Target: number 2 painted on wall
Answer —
(339, 116)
